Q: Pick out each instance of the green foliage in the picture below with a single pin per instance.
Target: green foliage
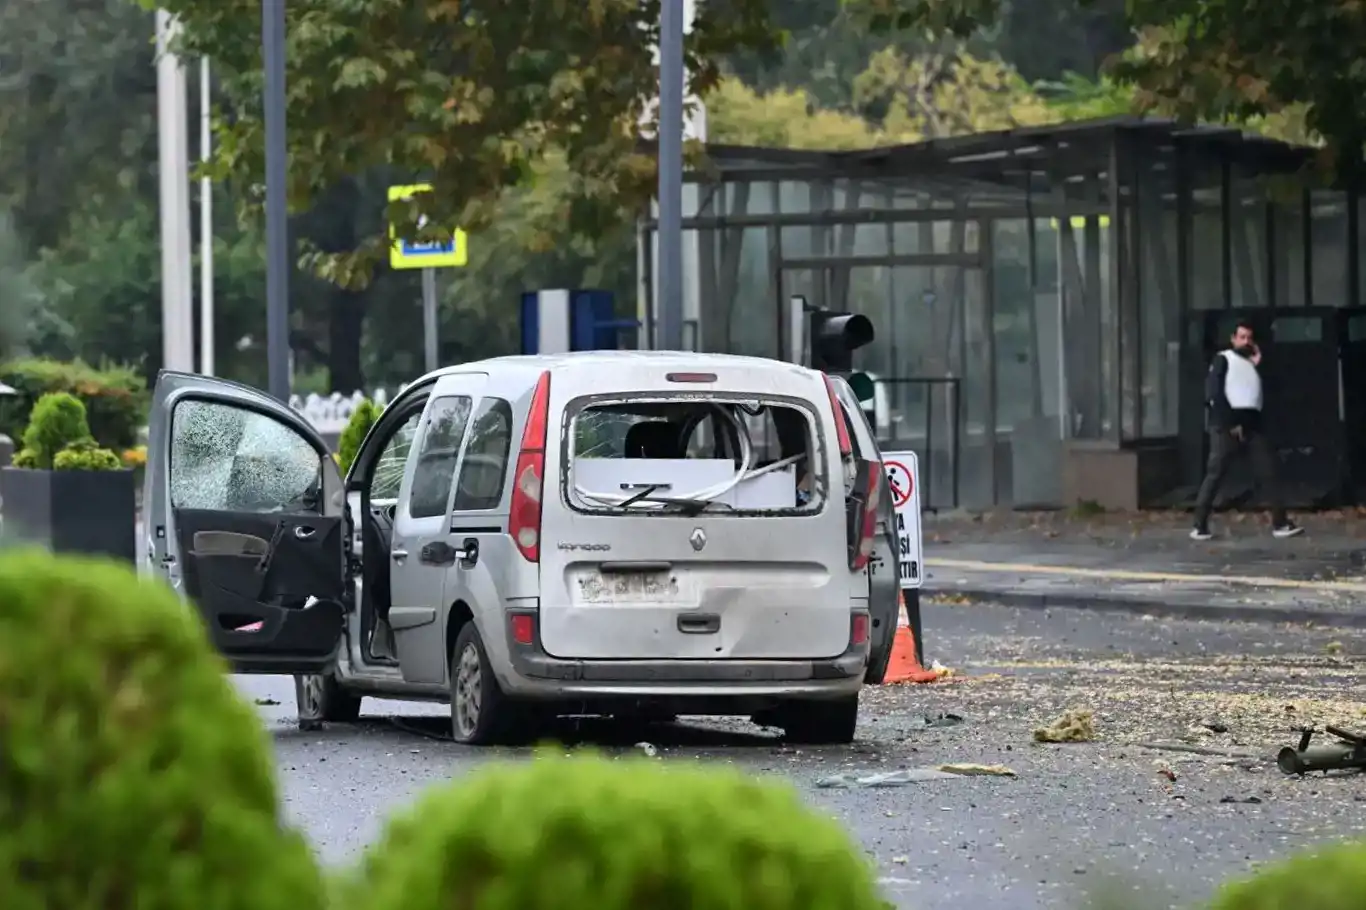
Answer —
(613, 835)
(115, 398)
(134, 774)
(77, 113)
(18, 300)
(58, 421)
(86, 456)
(353, 434)
(1293, 68)
(1329, 879)
(468, 94)
(25, 458)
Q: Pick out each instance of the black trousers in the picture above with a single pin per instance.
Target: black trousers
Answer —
(1224, 450)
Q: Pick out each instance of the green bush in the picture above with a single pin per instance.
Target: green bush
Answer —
(86, 456)
(58, 421)
(115, 398)
(362, 419)
(586, 832)
(131, 772)
(1333, 878)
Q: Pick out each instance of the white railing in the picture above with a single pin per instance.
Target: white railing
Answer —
(329, 413)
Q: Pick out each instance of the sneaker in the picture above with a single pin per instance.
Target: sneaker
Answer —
(1287, 529)
(1201, 532)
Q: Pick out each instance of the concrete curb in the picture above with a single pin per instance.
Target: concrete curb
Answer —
(1139, 606)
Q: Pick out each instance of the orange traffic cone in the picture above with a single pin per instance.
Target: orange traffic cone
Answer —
(904, 666)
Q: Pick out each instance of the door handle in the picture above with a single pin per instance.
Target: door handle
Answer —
(304, 532)
(399, 555)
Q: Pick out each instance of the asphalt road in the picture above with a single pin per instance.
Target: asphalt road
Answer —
(1079, 820)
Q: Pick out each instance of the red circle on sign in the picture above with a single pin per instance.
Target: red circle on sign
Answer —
(899, 496)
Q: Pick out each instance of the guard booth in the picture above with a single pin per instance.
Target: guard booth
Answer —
(1314, 367)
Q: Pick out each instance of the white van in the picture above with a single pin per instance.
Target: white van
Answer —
(611, 532)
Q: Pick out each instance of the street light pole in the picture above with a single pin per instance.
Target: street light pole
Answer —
(277, 216)
(206, 307)
(173, 146)
(671, 79)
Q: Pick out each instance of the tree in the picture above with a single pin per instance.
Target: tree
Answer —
(1221, 60)
(468, 95)
(946, 92)
(77, 112)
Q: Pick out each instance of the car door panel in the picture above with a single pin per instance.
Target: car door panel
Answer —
(249, 525)
(884, 587)
(417, 584)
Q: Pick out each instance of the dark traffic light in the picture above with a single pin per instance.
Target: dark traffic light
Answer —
(835, 337)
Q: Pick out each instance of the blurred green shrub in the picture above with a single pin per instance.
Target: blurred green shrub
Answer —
(585, 832)
(132, 775)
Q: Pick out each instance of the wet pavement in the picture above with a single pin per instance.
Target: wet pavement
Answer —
(1078, 820)
(1144, 562)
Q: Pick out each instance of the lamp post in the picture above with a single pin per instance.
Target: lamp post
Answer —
(671, 78)
(177, 314)
(277, 218)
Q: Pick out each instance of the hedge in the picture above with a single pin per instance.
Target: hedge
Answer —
(132, 773)
(115, 398)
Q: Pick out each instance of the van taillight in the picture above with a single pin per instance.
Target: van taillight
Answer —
(841, 426)
(868, 530)
(524, 523)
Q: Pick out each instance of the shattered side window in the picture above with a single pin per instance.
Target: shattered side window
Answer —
(226, 458)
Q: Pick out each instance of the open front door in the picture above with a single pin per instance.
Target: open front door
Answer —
(245, 515)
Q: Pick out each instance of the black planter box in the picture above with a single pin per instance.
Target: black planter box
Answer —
(91, 512)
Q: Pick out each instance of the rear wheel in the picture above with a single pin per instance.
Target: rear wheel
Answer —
(321, 699)
(825, 722)
(480, 713)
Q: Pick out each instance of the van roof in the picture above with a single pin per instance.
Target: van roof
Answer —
(588, 360)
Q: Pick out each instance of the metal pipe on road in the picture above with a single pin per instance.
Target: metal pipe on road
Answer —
(277, 215)
(671, 88)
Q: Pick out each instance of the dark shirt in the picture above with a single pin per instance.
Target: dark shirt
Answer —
(1222, 415)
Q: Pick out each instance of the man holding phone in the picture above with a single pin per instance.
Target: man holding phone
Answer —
(1233, 392)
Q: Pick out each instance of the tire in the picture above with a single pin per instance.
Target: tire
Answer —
(321, 699)
(481, 714)
(820, 723)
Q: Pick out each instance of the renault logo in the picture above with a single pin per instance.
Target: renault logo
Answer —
(698, 538)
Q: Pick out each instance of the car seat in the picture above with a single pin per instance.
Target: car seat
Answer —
(653, 439)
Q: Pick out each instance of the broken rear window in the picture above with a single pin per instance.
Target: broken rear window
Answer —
(704, 454)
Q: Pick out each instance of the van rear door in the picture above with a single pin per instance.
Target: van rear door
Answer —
(759, 572)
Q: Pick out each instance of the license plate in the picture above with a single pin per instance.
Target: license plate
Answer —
(612, 588)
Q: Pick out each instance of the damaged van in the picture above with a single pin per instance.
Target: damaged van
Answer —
(624, 533)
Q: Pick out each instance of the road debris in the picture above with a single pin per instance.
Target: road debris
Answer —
(884, 779)
(1075, 726)
(1347, 754)
(936, 721)
(972, 770)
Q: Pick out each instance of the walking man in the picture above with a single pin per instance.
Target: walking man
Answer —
(1233, 393)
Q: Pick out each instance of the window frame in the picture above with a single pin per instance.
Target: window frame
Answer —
(251, 410)
(488, 404)
(416, 454)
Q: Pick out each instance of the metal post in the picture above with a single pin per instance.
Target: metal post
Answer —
(206, 308)
(671, 79)
(177, 323)
(429, 322)
(277, 218)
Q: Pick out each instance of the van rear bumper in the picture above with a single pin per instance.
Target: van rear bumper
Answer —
(536, 673)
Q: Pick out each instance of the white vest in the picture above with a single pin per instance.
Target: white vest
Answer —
(1242, 383)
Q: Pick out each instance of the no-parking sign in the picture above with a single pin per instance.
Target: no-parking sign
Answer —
(903, 476)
